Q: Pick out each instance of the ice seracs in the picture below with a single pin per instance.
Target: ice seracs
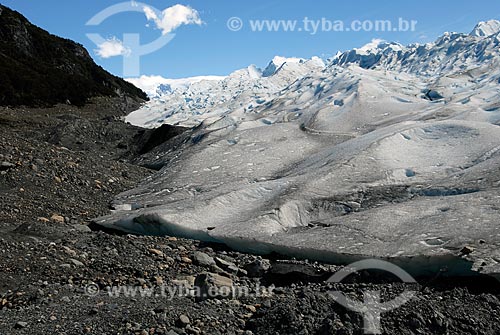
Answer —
(488, 28)
(398, 160)
(242, 91)
(156, 86)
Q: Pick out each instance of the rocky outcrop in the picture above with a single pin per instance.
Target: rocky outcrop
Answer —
(40, 69)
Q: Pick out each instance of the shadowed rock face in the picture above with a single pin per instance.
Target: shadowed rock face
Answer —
(40, 69)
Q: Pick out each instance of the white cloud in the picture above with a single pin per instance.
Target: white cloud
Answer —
(173, 17)
(150, 14)
(111, 48)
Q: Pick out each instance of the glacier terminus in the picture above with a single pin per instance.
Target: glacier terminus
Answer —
(386, 151)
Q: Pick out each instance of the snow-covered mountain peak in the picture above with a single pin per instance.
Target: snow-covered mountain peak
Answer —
(377, 46)
(277, 62)
(486, 28)
(317, 61)
(451, 53)
(248, 73)
(280, 60)
(369, 47)
(449, 37)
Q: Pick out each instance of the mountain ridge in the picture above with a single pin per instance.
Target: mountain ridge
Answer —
(41, 69)
(250, 89)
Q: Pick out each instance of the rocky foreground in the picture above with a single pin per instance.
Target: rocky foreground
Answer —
(61, 167)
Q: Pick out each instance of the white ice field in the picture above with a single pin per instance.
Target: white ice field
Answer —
(389, 151)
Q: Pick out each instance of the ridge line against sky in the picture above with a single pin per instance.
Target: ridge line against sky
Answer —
(205, 44)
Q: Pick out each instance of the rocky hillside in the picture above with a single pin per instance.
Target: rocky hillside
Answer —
(40, 69)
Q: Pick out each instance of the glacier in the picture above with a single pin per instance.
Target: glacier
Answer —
(386, 151)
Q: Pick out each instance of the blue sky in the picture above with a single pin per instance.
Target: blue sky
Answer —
(213, 49)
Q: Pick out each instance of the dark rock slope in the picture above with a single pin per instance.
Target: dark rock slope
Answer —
(40, 69)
